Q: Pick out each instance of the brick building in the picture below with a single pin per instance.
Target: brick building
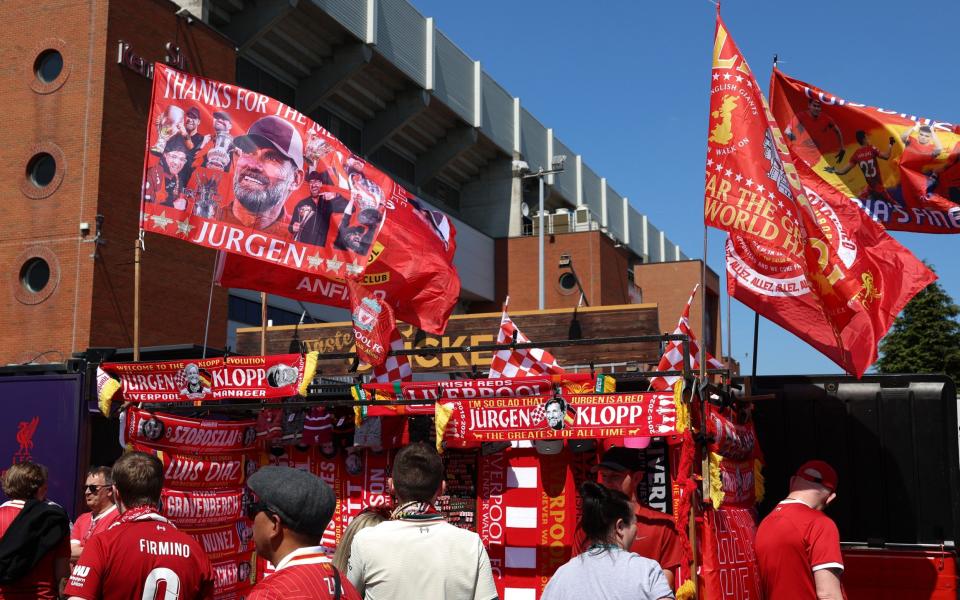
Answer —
(76, 118)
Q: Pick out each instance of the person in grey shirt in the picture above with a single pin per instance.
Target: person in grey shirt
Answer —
(606, 570)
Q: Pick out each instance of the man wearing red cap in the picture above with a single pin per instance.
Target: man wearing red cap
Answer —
(797, 546)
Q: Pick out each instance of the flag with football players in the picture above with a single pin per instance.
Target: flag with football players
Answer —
(799, 256)
(903, 170)
(672, 359)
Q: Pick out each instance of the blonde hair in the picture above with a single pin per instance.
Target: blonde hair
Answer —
(369, 517)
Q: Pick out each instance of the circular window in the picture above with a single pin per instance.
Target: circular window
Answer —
(35, 275)
(41, 169)
(48, 66)
(567, 281)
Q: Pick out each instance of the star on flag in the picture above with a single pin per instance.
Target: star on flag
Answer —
(314, 261)
(184, 227)
(161, 221)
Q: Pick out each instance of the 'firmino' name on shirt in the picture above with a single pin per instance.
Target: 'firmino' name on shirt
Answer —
(164, 548)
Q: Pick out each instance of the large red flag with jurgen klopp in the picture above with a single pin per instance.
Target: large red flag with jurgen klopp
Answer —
(235, 170)
(902, 169)
(834, 277)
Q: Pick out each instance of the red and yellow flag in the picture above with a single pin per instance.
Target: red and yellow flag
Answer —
(800, 256)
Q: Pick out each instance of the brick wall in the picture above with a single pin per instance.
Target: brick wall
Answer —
(669, 285)
(175, 276)
(92, 120)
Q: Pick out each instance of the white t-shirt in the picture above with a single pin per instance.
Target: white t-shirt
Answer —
(420, 558)
(612, 574)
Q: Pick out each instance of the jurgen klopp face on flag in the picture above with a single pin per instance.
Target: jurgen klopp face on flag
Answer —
(554, 412)
(269, 168)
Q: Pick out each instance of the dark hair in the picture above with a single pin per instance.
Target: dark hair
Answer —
(107, 473)
(22, 480)
(139, 478)
(417, 473)
(861, 137)
(925, 129)
(602, 508)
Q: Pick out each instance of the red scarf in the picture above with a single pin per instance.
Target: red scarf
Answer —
(140, 513)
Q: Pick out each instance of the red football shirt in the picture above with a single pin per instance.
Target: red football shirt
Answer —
(792, 542)
(304, 574)
(39, 582)
(865, 157)
(88, 526)
(657, 538)
(141, 559)
(916, 154)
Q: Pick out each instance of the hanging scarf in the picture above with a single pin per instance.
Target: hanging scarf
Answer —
(416, 511)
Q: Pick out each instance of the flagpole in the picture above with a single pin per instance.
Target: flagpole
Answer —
(756, 327)
(263, 323)
(206, 327)
(137, 254)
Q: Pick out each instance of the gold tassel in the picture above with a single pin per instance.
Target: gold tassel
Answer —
(105, 395)
(686, 591)
(716, 480)
(609, 384)
(683, 415)
(759, 487)
(309, 371)
(441, 416)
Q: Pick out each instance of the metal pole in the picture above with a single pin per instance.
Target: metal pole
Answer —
(756, 326)
(206, 327)
(703, 310)
(263, 323)
(137, 253)
(540, 302)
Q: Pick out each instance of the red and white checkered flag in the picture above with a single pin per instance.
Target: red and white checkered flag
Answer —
(517, 362)
(672, 359)
(397, 366)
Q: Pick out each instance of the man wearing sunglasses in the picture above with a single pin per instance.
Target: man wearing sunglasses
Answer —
(142, 555)
(98, 494)
(289, 517)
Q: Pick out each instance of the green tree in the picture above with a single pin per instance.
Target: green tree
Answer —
(925, 337)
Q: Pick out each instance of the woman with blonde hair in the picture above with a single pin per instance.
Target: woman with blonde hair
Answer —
(368, 517)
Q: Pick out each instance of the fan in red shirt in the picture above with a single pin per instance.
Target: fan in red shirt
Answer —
(657, 537)
(797, 546)
(866, 157)
(289, 518)
(142, 555)
(98, 494)
(34, 536)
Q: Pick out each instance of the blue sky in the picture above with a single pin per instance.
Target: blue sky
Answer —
(626, 85)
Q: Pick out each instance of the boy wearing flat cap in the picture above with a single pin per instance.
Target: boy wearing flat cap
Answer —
(292, 510)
